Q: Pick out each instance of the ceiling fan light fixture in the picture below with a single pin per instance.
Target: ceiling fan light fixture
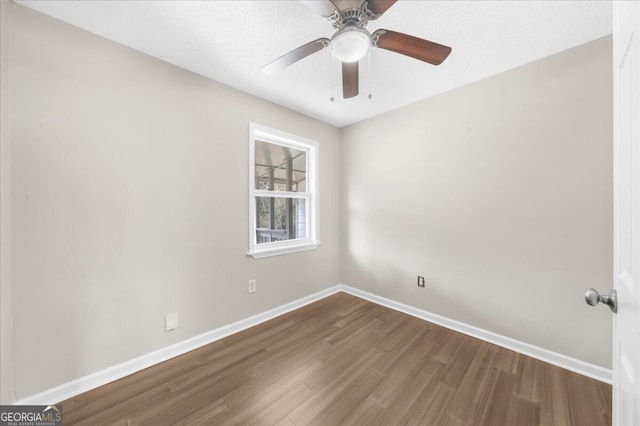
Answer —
(350, 44)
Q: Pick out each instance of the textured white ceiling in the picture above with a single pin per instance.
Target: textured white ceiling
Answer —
(229, 41)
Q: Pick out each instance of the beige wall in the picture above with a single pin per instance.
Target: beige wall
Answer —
(6, 356)
(500, 194)
(129, 201)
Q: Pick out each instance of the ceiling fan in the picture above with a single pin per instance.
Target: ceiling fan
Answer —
(352, 41)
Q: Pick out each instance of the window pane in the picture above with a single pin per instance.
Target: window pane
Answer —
(280, 219)
(280, 168)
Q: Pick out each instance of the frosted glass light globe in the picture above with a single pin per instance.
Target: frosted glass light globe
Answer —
(350, 44)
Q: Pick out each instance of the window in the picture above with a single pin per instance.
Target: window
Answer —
(283, 192)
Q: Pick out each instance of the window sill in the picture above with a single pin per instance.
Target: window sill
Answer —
(277, 251)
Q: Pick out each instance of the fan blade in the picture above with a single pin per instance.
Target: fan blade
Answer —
(415, 47)
(324, 8)
(295, 55)
(349, 79)
(378, 7)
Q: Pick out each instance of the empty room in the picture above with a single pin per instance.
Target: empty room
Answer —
(320, 212)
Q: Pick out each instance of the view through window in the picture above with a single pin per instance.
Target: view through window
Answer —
(282, 169)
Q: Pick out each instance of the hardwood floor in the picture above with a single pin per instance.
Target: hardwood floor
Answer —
(344, 360)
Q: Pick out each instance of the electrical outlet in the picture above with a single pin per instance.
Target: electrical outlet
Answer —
(171, 321)
(420, 281)
(251, 287)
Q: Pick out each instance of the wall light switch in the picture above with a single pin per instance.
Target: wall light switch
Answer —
(171, 321)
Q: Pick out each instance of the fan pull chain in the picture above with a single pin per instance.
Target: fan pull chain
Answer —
(370, 72)
(331, 67)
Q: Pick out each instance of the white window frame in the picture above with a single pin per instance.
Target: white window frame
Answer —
(311, 147)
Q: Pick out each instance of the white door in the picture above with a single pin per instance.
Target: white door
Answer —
(626, 239)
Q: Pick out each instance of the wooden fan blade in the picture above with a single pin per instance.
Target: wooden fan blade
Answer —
(415, 47)
(350, 79)
(295, 55)
(324, 8)
(378, 7)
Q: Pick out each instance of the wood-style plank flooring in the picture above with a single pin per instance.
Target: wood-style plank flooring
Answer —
(344, 360)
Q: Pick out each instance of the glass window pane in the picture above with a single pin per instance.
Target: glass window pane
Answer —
(280, 219)
(280, 168)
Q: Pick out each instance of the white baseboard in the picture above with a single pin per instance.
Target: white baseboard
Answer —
(563, 361)
(102, 377)
(99, 378)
